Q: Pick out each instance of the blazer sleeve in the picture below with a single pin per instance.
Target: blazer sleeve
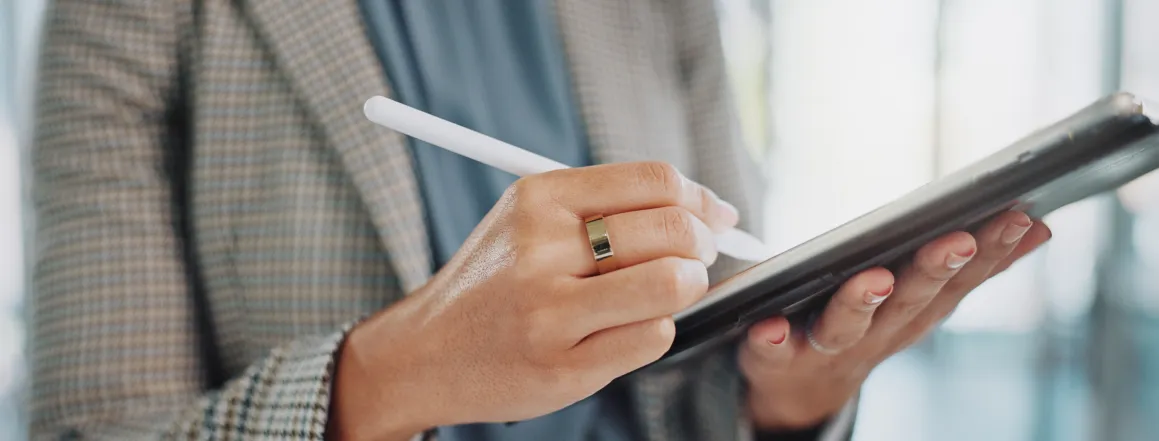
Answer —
(115, 350)
(704, 400)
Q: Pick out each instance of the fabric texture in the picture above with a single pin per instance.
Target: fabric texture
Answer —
(304, 216)
(496, 67)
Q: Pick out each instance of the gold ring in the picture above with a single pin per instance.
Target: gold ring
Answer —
(601, 244)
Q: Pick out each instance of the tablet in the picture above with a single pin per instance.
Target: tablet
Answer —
(1100, 148)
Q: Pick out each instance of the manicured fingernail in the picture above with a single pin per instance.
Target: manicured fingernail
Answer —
(1014, 232)
(874, 298)
(777, 341)
(956, 260)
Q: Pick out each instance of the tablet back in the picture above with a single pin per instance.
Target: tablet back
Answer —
(1103, 146)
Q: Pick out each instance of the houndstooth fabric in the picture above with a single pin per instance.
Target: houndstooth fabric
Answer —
(305, 216)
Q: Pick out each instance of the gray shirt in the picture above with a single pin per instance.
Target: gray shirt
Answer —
(498, 67)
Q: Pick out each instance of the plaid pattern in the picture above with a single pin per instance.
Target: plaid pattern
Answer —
(306, 216)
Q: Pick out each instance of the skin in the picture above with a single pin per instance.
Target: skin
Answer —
(793, 385)
(520, 323)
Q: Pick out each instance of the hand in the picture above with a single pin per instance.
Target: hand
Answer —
(519, 323)
(794, 385)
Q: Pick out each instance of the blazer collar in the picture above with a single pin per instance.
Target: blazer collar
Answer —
(323, 50)
(607, 43)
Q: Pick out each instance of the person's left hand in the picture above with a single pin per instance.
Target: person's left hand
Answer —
(799, 379)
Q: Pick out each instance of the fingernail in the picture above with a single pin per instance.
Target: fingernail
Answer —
(777, 341)
(956, 260)
(874, 298)
(1014, 232)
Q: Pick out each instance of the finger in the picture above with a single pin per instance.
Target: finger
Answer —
(1038, 235)
(767, 347)
(850, 311)
(945, 304)
(617, 351)
(932, 266)
(995, 242)
(618, 188)
(641, 236)
(652, 289)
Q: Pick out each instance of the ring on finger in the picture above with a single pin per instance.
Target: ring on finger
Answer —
(601, 244)
(817, 346)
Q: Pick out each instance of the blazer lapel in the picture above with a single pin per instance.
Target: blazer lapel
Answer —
(323, 50)
(628, 104)
(633, 113)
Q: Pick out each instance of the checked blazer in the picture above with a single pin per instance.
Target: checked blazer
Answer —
(213, 211)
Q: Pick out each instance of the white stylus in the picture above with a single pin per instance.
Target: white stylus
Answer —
(453, 137)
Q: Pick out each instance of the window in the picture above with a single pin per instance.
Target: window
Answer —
(19, 24)
(864, 101)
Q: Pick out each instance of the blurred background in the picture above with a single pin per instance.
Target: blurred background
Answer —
(19, 29)
(850, 104)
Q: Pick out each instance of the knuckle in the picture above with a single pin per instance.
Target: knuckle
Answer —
(662, 176)
(528, 193)
(668, 282)
(696, 277)
(679, 227)
(680, 282)
(659, 335)
(519, 188)
(667, 274)
(665, 331)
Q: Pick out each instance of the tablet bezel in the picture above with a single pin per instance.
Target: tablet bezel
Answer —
(1019, 176)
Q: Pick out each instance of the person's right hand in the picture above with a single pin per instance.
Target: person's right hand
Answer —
(520, 323)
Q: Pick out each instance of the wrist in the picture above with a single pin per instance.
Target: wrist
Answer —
(376, 392)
